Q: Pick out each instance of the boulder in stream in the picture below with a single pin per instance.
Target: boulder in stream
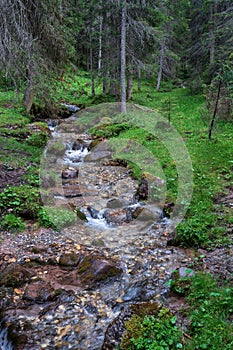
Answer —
(94, 269)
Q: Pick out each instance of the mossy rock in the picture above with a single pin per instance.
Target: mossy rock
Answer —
(69, 260)
(81, 215)
(181, 281)
(94, 143)
(14, 276)
(17, 338)
(94, 269)
(56, 148)
(147, 308)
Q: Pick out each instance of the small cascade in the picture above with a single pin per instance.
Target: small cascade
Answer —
(71, 108)
(5, 343)
(52, 124)
(75, 156)
(96, 218)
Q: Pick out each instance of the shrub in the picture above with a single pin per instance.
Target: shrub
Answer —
(20, 200)
(38, 140)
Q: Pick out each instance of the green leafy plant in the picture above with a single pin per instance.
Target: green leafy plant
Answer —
(12, 223)
(151, 332)
(38, 140)
(21, 200)
(56, 218)
(211, 312)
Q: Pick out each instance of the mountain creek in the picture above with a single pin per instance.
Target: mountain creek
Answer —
(73, 288)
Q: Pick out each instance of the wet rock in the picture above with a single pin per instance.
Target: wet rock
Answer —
(18, 338)
(72, 190)
(14, 275)
(149, 214)
(69, 260)
(142, 191)
(93, 212)
(116, 217)
(135, 211)
(39, 292)
(94, 143)
(116, 162)
(81, 215)
(97, 156)
(100, 152)
(98, 242)
(115, 203)
(95, 268)
(78, 145)
(69, 173)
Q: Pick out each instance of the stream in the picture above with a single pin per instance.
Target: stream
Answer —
(111, 219)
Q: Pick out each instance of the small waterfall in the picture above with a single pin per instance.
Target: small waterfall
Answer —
(5, 343)
(71, 108)
(96, 218)
(74, 156)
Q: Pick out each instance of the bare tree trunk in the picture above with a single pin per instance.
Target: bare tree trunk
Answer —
(92, 73)
(161, 62)
(29, 93)
(139, 78)
(130, 85)
(215, 109)
(123, 57)
(100, 47)
(91, 67)
(213, 10)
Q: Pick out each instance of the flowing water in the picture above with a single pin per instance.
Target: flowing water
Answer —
(5, 343)
(140, 244)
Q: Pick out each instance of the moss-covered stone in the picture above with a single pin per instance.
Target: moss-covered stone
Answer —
(14, 276)
(69, 260)
(81, 215)
(95, 268)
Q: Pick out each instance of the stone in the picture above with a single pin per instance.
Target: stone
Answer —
(69, 173)
(39, 292)
(94, 269)
(14, 275)
(142, 190)
(146, 215)
(69, 260)
(116, 217)
(93, 212)
(115, 203)
(81, 215)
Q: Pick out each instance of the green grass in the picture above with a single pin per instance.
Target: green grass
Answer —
(210, 312)
(212, 164)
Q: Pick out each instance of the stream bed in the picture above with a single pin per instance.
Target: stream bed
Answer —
(66, 304)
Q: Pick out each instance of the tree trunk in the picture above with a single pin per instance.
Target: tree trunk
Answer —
(29, 93)
(213, 10)
(130, 85)
(215, 109)
(139, 78)
(91, 67)
(161, 62)
(100, 47)
(123, 57)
